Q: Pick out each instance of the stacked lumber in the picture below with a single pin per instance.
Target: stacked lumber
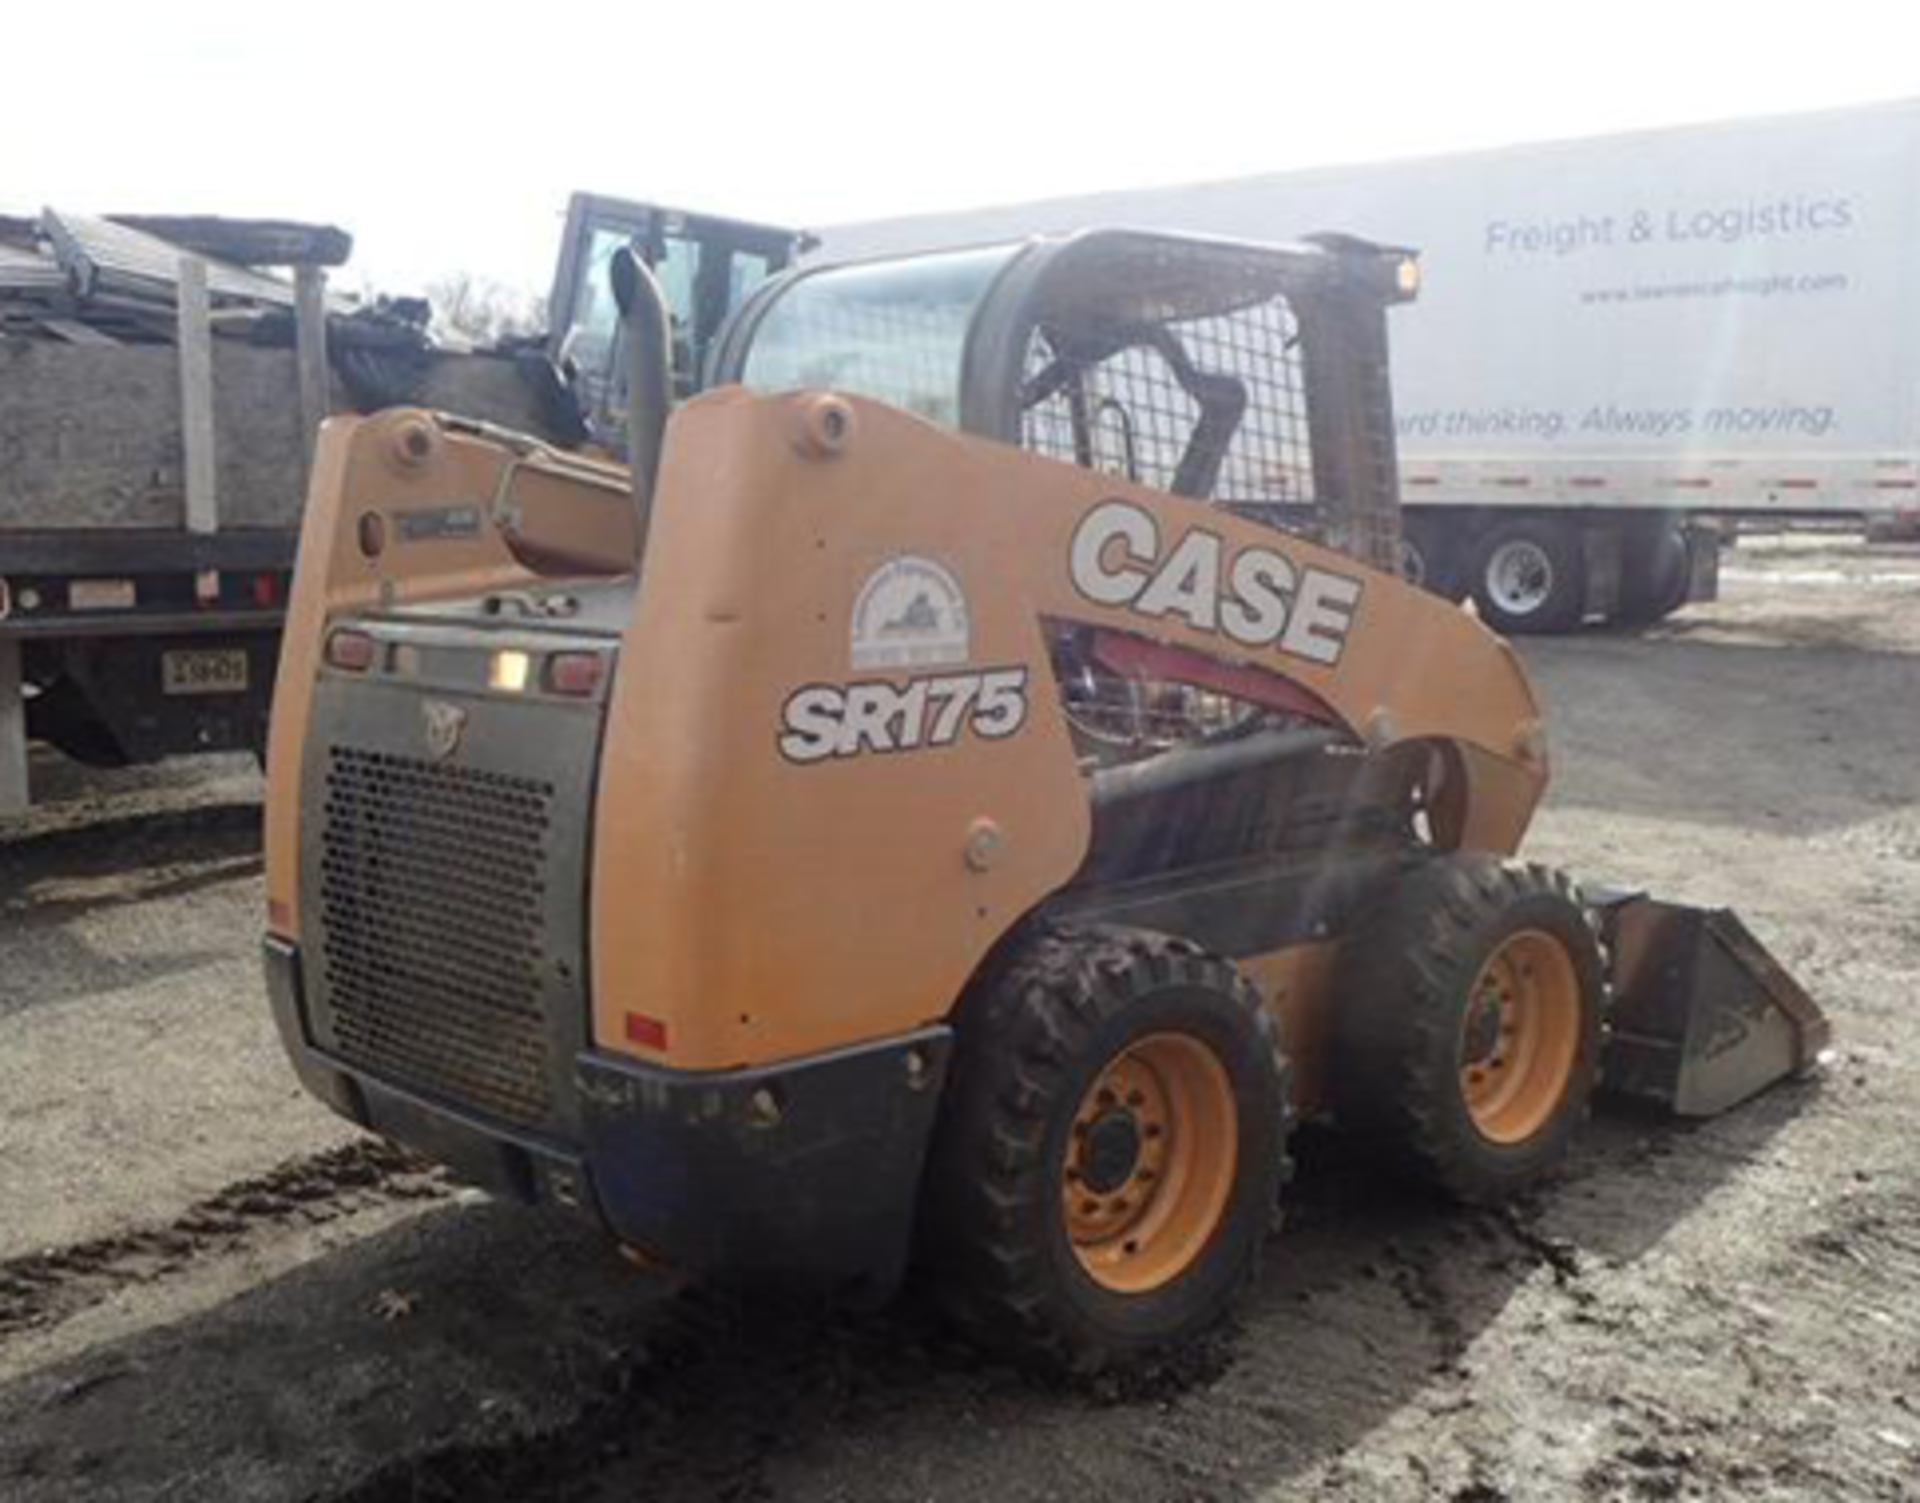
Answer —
(80, 279)
(138, 395)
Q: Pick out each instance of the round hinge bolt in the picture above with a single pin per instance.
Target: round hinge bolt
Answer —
(985, 841)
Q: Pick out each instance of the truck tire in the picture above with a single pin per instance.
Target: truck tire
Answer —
(1655, 570)
(1430, 558)
(1109, 1157)
(1530, 576)
(1469, 1023)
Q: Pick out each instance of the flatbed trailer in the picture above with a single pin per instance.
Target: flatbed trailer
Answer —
(151, 494)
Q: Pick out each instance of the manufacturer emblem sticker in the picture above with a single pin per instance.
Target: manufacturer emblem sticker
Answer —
(1260, 597)
(911, 613)
(443, 725)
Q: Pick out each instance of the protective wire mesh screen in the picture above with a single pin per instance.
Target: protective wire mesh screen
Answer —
(1178, 366)
(1212, 407)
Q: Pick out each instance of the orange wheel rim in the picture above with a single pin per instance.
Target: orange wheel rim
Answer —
(1150, 1163)
(1521, 1037)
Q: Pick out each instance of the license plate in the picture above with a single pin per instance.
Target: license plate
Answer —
(204, 671)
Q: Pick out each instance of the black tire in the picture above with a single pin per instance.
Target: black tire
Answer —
(1406, 1016)
(1530, 576)
(1431, 558)
(1034, 1039)
(1655, 570)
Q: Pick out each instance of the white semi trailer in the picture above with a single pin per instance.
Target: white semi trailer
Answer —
(1617, 340)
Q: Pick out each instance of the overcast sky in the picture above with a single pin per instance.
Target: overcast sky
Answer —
(447, 136)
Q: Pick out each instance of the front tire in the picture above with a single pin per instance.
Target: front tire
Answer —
(1430, 558)
(1530, 577)
(1108, 1161)
(1469, 1023)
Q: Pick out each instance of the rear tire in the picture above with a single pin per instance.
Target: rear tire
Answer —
(1530, 576)
(1468, 1026)
(1109, 1157)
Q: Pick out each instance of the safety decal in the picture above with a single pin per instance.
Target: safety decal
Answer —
(910, 613)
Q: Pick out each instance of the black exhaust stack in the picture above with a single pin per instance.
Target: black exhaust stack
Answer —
(647, 331)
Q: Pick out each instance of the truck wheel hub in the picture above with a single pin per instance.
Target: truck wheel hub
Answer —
(1483, 1028)
(1150, 1163)
(1520, 1037)
(1111, 1153)
(1519, 577)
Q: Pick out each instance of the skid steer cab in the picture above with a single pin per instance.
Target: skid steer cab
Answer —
(959, 799)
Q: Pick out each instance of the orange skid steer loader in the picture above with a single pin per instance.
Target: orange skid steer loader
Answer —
(960, 796)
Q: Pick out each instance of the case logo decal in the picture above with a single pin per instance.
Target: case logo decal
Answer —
(823, 721)
(1257, 596)
(442, 725)
(911, 613)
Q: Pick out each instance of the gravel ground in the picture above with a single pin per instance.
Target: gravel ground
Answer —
(209, 1288)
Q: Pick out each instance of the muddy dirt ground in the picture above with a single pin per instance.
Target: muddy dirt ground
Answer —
(211, 1289)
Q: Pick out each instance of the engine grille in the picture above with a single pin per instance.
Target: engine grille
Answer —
(432, 887)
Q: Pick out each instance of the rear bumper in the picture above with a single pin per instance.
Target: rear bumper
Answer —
(807, 1170)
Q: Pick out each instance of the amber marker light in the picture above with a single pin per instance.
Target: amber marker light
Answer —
(510, 672)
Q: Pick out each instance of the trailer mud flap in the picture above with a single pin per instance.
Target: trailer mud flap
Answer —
(1703, 1016)
(1703, 565)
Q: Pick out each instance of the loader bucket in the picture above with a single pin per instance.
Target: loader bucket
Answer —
(1703, 1017)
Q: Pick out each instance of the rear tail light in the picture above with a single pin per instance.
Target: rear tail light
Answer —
(648, 1033)
(576, 674)
(350, 651)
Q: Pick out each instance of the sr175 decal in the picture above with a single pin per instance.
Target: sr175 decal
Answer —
(823, 721)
